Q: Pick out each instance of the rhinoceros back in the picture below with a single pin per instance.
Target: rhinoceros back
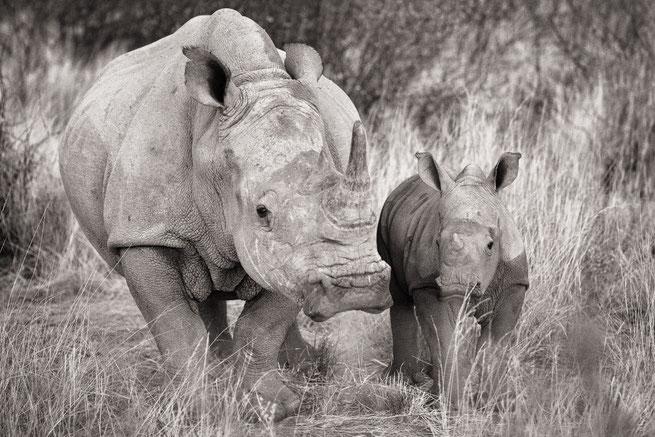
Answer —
(406, 236)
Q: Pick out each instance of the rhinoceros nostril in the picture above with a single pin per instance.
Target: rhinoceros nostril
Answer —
(317, 317)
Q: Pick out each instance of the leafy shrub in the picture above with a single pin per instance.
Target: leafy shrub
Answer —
(33, 213)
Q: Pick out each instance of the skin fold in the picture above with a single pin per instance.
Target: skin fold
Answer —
(209, 165)
(454, 251)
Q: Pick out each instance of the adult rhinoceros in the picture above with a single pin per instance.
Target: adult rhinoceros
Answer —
(199, 165)
(449, 242)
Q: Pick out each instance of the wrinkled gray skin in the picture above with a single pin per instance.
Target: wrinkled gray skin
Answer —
(204, 168)
(449, 242)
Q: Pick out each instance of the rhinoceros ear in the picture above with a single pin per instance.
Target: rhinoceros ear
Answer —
(303, 62)
(431, 173)
(205, 77)
(505, 171)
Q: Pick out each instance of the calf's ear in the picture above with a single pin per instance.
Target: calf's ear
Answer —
(205, 77)
(505, 171)
(431, 173)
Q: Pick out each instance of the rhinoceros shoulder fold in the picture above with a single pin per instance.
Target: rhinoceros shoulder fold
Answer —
(139, 112)
(148, 188)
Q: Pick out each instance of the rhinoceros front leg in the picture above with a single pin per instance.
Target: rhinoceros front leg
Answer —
(404, 332)
(258, 336)
(213, 312)
(503, 320)
(494, 341)
(157, 288)
(295, 351)
(451, 356)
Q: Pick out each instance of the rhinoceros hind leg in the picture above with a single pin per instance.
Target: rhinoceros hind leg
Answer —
(214, 315)
(296, 352)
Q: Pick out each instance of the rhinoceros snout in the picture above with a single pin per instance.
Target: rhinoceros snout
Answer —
(367, 292)
(458, 283)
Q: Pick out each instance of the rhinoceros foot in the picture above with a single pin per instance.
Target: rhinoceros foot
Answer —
(271, 400)
(505, 402)
(410, 374)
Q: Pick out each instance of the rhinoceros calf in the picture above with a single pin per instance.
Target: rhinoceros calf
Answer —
(204, 167)
(450, 241)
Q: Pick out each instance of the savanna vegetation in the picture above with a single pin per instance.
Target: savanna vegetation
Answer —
(568, 83)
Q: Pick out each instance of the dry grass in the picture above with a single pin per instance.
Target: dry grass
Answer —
(77, 359)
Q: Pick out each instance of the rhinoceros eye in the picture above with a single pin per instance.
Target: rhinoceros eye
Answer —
(490, 245)
(262, 211)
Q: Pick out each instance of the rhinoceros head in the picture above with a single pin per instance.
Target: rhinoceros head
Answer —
(476, 231)
(266, 176)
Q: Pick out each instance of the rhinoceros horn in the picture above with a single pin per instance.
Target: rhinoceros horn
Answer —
(348, 204)
(356, 177)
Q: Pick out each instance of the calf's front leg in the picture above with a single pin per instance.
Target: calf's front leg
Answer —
(259, 333)
(404, 332)
(451, 360)
(494, 342)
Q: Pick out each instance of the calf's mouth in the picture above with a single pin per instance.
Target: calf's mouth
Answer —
(450, 287)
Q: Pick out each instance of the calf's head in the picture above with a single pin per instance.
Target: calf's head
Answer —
(263, 166)
(475, 227)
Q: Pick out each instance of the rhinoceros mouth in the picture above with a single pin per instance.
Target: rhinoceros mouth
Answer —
(348, 275)
(352, 290)
(449, 290)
